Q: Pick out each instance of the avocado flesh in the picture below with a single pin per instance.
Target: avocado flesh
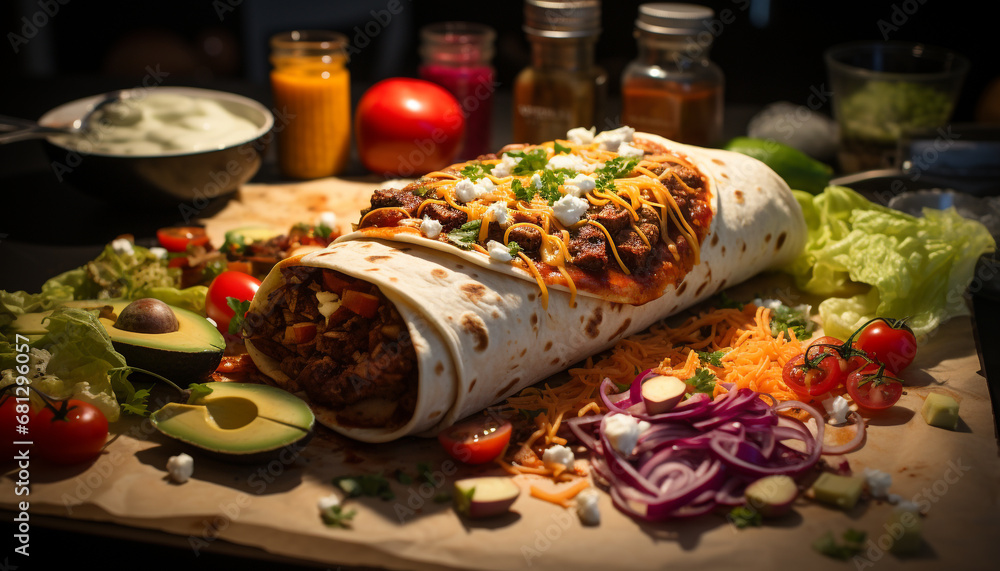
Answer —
(190, 353)
(238, 419)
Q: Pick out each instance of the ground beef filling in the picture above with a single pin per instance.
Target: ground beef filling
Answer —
(588, 245)
(346, 358)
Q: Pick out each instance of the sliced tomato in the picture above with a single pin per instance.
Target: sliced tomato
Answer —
(874, 387)
(333, 282)
(178, 238)
(476, 441)
(364, 304)
(815, 372)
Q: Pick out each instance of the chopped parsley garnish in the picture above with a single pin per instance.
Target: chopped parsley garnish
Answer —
(784, 318)
(323, 231)
(423, 191)
(561, 149)
(617, 167)
(853, 544)
(703, 381)
(513, 248)
(466, 236)
(714, 358)
(476, 171)
(336, 516)
(370, 485)
(235, 243)
(550, 185)
(531, 161)
(745, 516)
(726, 302)
(520, 192)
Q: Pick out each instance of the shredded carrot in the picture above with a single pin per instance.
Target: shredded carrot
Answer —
(753, 359)
(562, 497)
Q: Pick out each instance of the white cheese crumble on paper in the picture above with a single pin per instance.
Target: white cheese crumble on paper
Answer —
(610, 140)
(581, 136)
(570, 209)
(328, 502)
(328, 219)
(558, 454)
(498, 251)
(878, 482)
(838, 408)
(180, 467)
(586, 507)
(430, 228)
(623, 432)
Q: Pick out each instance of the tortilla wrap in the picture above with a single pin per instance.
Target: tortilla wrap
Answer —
(479, 329)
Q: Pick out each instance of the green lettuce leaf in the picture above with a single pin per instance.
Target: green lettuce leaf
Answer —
(870, 260)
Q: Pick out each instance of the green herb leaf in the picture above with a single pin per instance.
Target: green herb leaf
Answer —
(561, 149)
(714, 359)
(370, 485)
(784, 318)
(726, 302)
(467, 235)
(745, 516)
(531, 161)
(617, 167)
(703, 381)
(336, 516)
(475, 171)
(423, 191)
(551, 180)
(520, 192)
(425, 473)
(513, 248)
(240, 309)
(853, 544)
(198, 390)
(323, 231)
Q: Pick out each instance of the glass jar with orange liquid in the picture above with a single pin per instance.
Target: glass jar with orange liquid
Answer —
(672, 88)
(311, 88)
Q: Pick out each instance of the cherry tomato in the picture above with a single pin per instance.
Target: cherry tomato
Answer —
(476, 441)
(228, 284)
(178, 238)
(874, 387)
(70, 432)
(406, 126)
(888, 341)
(823, 372)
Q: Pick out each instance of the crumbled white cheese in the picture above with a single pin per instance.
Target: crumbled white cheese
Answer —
(623, 432)
(771, 304)
(586, 507)
(610, 140)
(499, 211)
(487, 185)
(328, 302)
(536, 181)
(328, 502)
(160, 253)
(498, 251)
(628, 151)
(581, 136)
(878, 482)
(558, 454)
(465, 190)
(572, 162)
(180, 467)
(122, 246)
(506, 164)
(430, 228)
(328, 219)
(838, 408)
(569, 209)
(579, 185)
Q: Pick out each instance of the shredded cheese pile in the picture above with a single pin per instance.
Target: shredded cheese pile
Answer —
(754, 359)
(642, 188)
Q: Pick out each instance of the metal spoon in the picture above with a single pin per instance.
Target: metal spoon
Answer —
(13, 129)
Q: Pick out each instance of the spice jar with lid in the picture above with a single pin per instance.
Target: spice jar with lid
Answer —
(311, 88)
(672, 88)
(458, 56)
(562, 88)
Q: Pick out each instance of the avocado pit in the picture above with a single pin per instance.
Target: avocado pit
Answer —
(147, 315)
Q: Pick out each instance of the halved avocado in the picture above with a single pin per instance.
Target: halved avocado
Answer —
(190, 353)
(244, 420)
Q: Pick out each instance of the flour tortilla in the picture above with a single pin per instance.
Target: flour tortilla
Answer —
(479, 329)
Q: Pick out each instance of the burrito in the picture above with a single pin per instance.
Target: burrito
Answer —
(471, 283)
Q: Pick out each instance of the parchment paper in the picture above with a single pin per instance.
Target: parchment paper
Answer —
(272, 506)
